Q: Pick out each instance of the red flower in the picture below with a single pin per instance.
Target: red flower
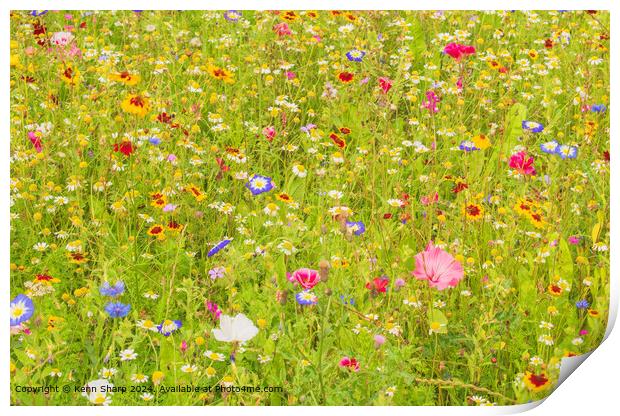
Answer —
(378, 285)
(346, 76)
(124, 147)
(385, 84)
(341, 143)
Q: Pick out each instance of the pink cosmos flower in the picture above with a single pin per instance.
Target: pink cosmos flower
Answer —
(522, 164)
(350, 363)
(458, 51)
(385, 83)
(307, 278)
(269, 133)
(282, 29)
(438, 267)
(61, 38)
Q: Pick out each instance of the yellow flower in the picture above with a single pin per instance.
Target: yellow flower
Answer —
(157, 377)
(481, 141)
(70, 75)
(221, 74)
(125, 77)
(473, 211)
(136, 104)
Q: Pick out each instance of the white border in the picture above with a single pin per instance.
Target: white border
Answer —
(592, 390)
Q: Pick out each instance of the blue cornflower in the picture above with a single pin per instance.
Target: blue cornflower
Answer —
(566, 152)
(355, 55)
(22, 309)
(155, 140)
(598, 108)
(468, 146)
(582, 304)
(259, 184)
(356, 227)
(549, 147)
(117, 309)
(37, 13)
(219, 246)
(107, 290)
(532, 126)
(168, 326)
(306, 298)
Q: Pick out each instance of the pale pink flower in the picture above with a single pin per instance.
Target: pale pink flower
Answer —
(282, 29)
(438, 267)
(61, 38)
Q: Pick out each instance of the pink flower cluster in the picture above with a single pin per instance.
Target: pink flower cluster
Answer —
(458, 51)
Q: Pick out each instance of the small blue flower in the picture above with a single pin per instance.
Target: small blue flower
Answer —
(37, 13)
(355, 55)
(356, 227)
(598, 108)
(549, 147)
(155, 140)
(532, 126)
(117, 309)
(219, 246)
(566, 152)
(306, 298)
(108, 290)
(22, 309)
(259, 184)
(582, 304)
(468, 146)
(168, 326)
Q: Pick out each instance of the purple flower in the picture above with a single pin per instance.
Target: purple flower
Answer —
(22, 309)
(168, 326)
(355, 55)
(357, 227)
(232, 15)
(532, 126)
(259, 184)
(573, 239)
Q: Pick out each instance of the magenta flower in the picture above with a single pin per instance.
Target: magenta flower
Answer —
(35, 139)
(458, 51)
(307, 278)
(431, 102)
(438, 267)
(350, 363)
(385, 83)
(522, 164)
(573, 239)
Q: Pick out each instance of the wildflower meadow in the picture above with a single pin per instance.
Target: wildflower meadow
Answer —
(306, 207)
